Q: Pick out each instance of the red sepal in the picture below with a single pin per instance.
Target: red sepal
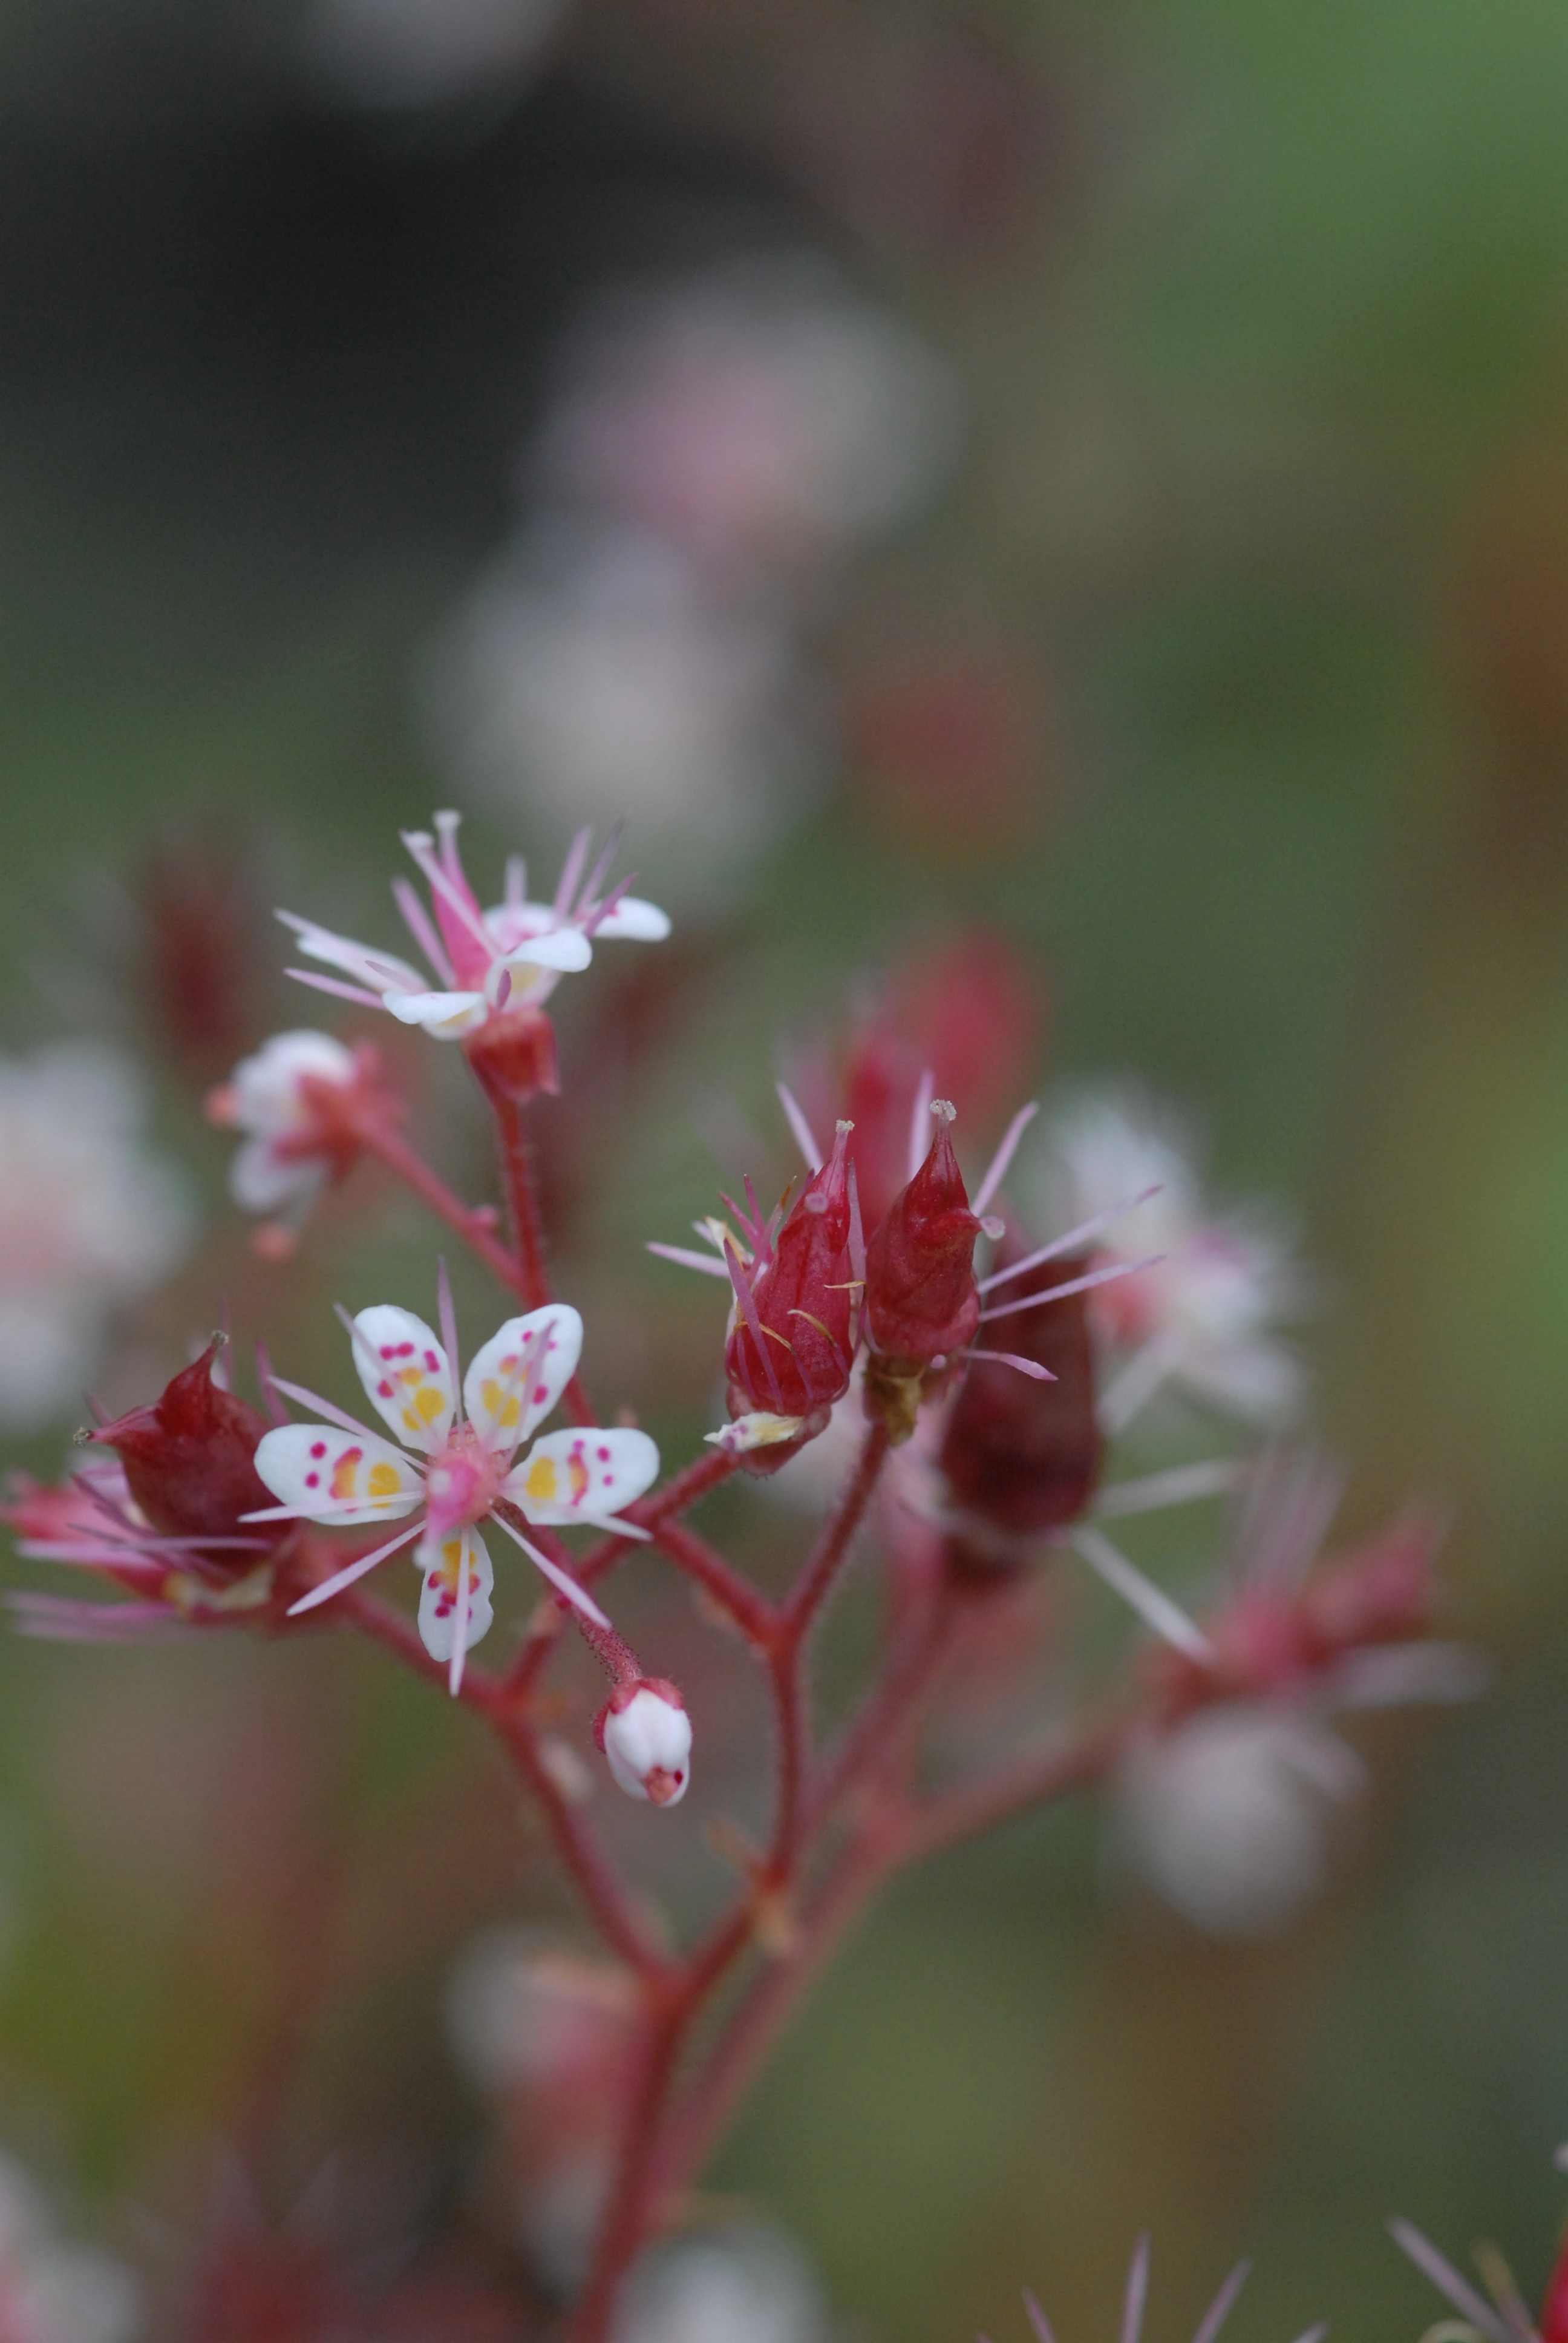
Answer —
(804, 1304)
(922, 1301)
(189, 1457)
(1024, 1457)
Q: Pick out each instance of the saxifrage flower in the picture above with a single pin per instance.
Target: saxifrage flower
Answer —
(461, 1471)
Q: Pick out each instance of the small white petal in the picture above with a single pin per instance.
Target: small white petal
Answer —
(446, 1015)
(406, 1375)
(379, 969)
(260, 1180)
(337, 1476)
(516, 1378)
(648, 1745)
(585, 1474)
(636, 921)
(565, 950)
(439, 1599)
(757, 1430)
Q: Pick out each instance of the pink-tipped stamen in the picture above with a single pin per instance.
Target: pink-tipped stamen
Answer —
(571, 871)
(346, 1577)
(1070, 1242)
(447, 1318)
(1030, 1367)
(341, 991)
(577, 1596)
(800, 1129)
(424, 932)
(1073, 1285)
(1038, 2321)
(1137, 2289)
(460, 1625)
(1449, 2282)
(920, 1123)
(707, 1263)
(998, 1169)
(327, 1411)
(1153, 1604)
(743, 1294)
(1219, 2310)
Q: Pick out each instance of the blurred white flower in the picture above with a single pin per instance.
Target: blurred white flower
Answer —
(1227, 1817)
(1204, 1315)
(51, 2293)
(602, 674)
(282, 1163)
(749, 2285)
(761, 412)
(414, 52)
(88, 1219)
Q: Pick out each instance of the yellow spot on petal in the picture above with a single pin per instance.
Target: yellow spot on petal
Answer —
(430, 1403)
(384, 1480)
(541, 1480)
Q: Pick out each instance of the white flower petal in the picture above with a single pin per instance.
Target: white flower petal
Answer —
(439, 1600)
(636, 921)
(516, 1377)
(260, 1180)
(379, 969)
(565, 950)
(406, 1375)
(585, 1474)
(337, 1476)
(446, 1015)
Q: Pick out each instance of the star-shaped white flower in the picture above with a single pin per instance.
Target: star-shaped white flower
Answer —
(461, 1470)
(483, 960)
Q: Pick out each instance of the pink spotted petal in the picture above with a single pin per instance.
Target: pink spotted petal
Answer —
(516, 1378)
(323, 1475)
(443, 1561)
(406, 1373)
(583, 1475)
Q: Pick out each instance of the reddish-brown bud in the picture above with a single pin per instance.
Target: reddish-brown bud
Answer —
(514, 1051)
(1554, 2306)
(189, 1458)
(790, 1351)
(922, 1301)
(1020, 1456)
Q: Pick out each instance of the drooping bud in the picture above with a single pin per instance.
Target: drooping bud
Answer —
(645, 1734)
(791, 1347)
(514, 1051)
(922, 1301)
(1023, 1457)
(299, 1099)
(189, 1457)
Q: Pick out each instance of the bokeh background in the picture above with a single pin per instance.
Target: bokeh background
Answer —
(1184, 598)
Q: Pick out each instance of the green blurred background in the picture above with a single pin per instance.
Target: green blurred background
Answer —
(1256, 317)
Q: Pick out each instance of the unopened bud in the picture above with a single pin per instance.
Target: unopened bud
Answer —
(189, 1458)
(791, 1350)
(514, 1051)
(921, 1299)
(646, 1735)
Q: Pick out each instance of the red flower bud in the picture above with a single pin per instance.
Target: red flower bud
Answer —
(189, 1457)
(790, 1351)
(514, 1051)
(1020, 1456)
(922, 1301)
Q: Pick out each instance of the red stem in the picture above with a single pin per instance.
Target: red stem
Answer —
(530, 1276)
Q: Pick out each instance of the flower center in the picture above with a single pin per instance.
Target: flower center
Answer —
(463, 1479)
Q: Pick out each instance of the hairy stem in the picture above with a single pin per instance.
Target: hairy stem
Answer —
(472, 1222)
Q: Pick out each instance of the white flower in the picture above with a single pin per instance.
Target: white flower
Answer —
(88, 1219)
(749, 2285)
(1203, 1314)
(51, 2293)
(760, 412)
(278, 1167)
(1227, 1817)
(603, 670)
(462, 1470)
(485, 960)
(646, 1734)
